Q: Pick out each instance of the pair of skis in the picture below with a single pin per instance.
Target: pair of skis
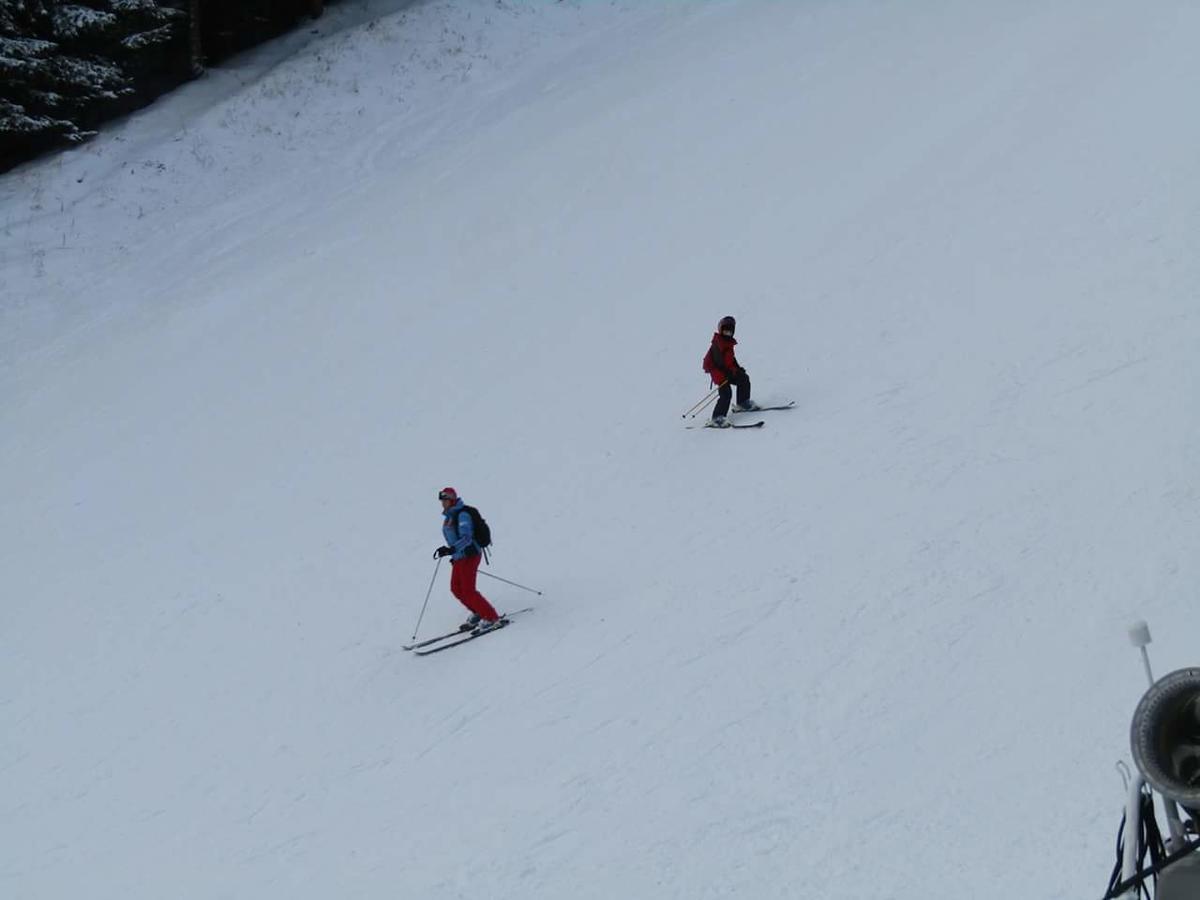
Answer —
(459, 636)
(759, 424)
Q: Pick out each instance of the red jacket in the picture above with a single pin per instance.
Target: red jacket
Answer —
(720, 362)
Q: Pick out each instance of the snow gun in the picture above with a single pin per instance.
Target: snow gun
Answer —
(1165, 740)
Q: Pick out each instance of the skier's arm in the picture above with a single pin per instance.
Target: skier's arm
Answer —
(466, 532)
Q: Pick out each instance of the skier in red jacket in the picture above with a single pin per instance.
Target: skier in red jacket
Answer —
(722, 366)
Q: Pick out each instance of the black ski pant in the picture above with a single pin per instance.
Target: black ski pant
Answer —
(725, 394)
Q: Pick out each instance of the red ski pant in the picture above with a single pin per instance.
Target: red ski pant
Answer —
(463, 573)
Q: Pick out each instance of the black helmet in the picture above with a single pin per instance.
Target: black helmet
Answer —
(729, 323)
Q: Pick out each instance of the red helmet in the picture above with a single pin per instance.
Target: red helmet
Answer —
(447, 493)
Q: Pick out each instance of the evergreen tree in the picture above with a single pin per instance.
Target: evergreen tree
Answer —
(66, 66)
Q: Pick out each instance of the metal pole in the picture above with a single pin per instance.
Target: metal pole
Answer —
(1139, 636)
(711, 398)
(427, 593)
(703, 403)
(1133, 827)
(513, 583)
(1177, 840)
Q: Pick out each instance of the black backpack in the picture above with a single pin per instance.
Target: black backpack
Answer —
(483, 534)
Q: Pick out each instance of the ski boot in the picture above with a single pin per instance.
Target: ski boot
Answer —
(486, 625)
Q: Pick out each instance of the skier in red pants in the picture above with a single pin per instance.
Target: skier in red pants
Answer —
(459, 530)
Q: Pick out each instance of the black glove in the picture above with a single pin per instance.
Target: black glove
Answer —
(442, 551)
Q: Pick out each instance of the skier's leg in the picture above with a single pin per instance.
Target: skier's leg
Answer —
(724, 397)
(462, 584)
(457, 577)
(743, 389)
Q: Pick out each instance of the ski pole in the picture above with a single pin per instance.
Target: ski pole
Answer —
(513, 583)
(703, 403)
(427, 593)
(711, 398)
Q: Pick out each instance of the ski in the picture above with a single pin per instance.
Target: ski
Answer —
(759, 424)
(441, 637)
(789, 405)
(463, 636)
(470, 636)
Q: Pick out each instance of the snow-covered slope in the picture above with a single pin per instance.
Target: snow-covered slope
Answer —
(873, 650)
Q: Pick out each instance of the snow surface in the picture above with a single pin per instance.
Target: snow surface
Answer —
(875, 649)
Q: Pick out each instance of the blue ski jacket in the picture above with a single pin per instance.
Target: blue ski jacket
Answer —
(460, 536)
